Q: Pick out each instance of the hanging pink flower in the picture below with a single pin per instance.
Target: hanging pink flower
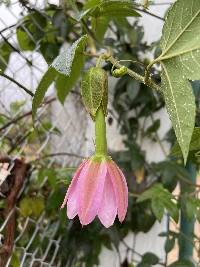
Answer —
(98, 188)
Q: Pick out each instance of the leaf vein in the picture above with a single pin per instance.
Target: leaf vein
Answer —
(181, 33)
(174, 101)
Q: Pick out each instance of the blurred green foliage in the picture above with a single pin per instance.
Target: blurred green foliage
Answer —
(133, 104)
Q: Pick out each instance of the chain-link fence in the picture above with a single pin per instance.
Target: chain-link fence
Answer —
(29, 235)
(36, 164)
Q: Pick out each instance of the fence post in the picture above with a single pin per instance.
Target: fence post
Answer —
(187, 226)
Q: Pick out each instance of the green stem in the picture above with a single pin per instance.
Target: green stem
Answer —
(133, 74)
(100, 133)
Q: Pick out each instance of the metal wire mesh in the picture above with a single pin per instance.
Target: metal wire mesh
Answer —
(37, 239)
(60, 143)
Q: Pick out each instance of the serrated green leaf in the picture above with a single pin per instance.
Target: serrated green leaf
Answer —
(180, 44)
(94, 89)
(194, 144)
(43, 86)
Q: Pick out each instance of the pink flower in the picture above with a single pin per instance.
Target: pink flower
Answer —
(98, 188)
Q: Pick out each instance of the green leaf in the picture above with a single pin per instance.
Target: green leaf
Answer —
(150, 258)
(180, 105)
(24, 39)
(31, 206)
(32, 31)
(5, 51)
(91, 3)
(37, 205)
(43, 86)
(110, 9)
(65, 69)
(94, 89)
(69, 64)
(192, 206)
(143, 264)
(169, 244)
(161, 199)
(194, 144)
(153, 128)
(180, 44)
(67, 60)
(99, 27)
(49, 50)
(151, 193)
(157, 208)
(198, 215)
(171, 208)
(63, 86)
(24, 207)
(116, 8)
(182, 263)
(15, 260)
(55, 176)
(54, 200)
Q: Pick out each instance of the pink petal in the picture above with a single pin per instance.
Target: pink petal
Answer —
(72, 205)
(90, 186)
(73, 184)
(108, 210)
(120, 189)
